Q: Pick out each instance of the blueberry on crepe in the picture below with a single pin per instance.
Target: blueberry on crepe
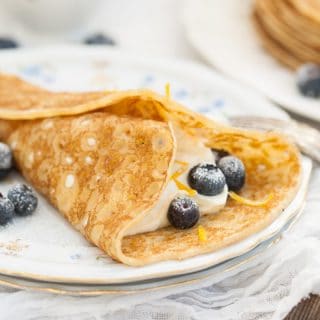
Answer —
(207, 179)
(183, 212)
(234, 172)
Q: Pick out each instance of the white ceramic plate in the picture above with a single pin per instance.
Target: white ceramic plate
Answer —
(215, 274)
(44, 246)
(223, 33)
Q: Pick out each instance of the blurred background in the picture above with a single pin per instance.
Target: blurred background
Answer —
(151, 27)
(245, 40)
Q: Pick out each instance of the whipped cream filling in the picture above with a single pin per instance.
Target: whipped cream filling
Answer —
(191, 152)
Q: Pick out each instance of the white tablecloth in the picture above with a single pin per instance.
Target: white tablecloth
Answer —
(267, 289)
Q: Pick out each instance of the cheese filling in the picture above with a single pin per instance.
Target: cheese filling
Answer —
(190, 152)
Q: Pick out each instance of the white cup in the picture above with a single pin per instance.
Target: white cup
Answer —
(51, 16)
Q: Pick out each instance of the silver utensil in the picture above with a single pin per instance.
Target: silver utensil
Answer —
(306, 137)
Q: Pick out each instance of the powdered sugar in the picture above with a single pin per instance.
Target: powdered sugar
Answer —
(207, 179)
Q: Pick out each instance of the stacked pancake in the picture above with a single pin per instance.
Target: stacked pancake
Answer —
(289, 29)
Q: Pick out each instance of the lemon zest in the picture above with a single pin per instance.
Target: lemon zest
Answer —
(182, 186)
(181, 170)
(183, 163)
(177, 174)
(253, 203)
(202, 234)
(168, 90)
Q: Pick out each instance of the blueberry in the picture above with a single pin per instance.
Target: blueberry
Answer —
(7, 43)
(220, 153)
(183, 212)
(5, 160)
(234, 171)
(308, 80)
(99, 39)
(23, 198)
(207, 179)
(6, 210)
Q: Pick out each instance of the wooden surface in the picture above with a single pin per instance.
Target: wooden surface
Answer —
(306, 310)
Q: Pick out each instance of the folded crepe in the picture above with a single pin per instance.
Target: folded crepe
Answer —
(105, 161)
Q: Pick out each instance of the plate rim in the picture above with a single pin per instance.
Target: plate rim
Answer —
(15, 282)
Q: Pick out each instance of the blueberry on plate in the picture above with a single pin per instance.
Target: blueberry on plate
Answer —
(183, 212)
(220, 153)
(207, 179)
(24, 200)
(308, 80)
(99, 39)
(234, 171)
(5, 160)
(7, 43)
(6, 210)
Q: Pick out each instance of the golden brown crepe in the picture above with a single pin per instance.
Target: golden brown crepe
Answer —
(103, 160)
